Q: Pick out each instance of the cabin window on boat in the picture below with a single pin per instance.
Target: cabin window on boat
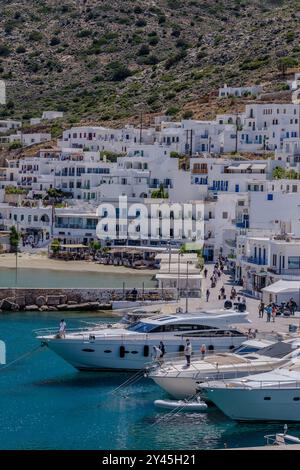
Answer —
(147, 327)
(142, 327)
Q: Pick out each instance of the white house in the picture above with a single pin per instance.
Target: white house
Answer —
(227, 91)
(7, 125)
(51, 115)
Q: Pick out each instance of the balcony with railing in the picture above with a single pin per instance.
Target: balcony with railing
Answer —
(75, 226)
(199, 171)
(256, 261)
(286, 274)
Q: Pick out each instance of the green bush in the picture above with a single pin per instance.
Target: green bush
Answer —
(172, 110)
(15, 145)
(35, 36)
(54, 41)
(4, 50)
(117, 71)
(141, 23)
(174, 59)
(14, 190)
(144, 50)
(20, 50)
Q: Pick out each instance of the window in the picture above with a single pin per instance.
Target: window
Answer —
(270, 197)
(225, 215)
(294, 262)
(274, 260)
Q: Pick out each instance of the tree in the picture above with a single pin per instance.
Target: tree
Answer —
(284, 63)
(55, 246)
(160, 193)
(95, 245)
(278, 173)
(14, 239)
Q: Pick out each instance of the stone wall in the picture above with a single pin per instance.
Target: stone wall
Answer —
(74, 299)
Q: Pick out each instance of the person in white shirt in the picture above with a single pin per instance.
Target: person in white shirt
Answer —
(157, 353)
(188, 352)
(62, 328)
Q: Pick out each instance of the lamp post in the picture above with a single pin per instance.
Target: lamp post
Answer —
(187, 287)
(178, 276)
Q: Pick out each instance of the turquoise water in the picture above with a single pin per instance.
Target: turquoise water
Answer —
(50, 278)
(46, 404)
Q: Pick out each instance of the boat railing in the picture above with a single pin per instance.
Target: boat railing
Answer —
(264, 384)
(82, 331)
(280, 439)
(247, 367)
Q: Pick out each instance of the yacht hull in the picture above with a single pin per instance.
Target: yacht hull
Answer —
(257, 404)
(184, 387)
(105, 354)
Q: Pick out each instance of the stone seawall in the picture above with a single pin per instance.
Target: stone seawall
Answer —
(75, 299)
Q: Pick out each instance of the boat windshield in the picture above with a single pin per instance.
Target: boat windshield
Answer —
(141, 327)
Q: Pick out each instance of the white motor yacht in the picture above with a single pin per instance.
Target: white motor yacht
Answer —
(261, 356)
(272, 396)
(130, 348)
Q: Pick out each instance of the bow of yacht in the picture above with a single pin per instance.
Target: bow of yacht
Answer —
(271, 396)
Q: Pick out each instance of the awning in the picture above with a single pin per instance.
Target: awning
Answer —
(241, 166)
(259, 166)
(283, 286)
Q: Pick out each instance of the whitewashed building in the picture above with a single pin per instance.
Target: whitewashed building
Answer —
(227, 91)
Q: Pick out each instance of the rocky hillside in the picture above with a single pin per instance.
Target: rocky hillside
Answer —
(108, 60)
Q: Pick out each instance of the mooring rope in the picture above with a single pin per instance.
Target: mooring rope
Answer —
(130, 381)
(23, 356)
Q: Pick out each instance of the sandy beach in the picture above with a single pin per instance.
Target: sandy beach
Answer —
(41, 261)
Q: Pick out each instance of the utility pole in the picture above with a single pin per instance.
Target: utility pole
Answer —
(141, 126)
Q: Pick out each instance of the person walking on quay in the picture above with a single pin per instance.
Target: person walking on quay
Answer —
(269, 312)
(292, 306)
(188, 352)
(233, 293)
(261, 309)
(207, 295)
(222, 293)
(205, 272)
(274, 311)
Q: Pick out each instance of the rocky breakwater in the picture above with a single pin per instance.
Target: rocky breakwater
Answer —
(43, 300)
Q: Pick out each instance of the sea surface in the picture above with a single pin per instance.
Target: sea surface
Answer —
(27, 277)
(46, 404)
